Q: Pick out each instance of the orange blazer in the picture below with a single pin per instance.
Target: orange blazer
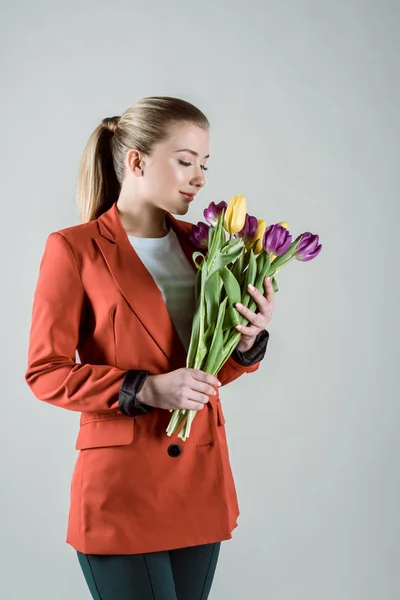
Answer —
(129, 492)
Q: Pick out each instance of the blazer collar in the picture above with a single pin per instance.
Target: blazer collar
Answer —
(137, 284)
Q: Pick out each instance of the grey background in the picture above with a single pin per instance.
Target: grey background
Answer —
(303, 100)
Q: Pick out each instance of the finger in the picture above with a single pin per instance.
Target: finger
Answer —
(200, 375)
(264, 306)
(258, 296)
(256, 319)
(269, 289)
(198, 397)
(251, 331)
(189, 405)
(202, 386)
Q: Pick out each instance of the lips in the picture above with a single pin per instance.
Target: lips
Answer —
(187, 196)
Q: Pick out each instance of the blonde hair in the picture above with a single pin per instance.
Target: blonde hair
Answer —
(142, 126)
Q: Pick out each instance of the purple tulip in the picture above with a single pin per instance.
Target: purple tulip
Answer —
(212, 213)
(249, 230)
(276, 240)
(198, 236)
(308, 247)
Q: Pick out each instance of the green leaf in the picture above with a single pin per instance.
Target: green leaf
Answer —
(238, 267)
(222, 231)
(267, 262)
(212, 292)
(232, 318)
(246, 258)
(226, 351)
(231, 245)
(197, 286)
(222, 260)
(217, 237)
(252, 267)
(250, 276)
(231, 286)
(204, 346)
(204, 273)
(217, 341)
(194, 256)
(194, 338)
(211, 233)
(263, 259)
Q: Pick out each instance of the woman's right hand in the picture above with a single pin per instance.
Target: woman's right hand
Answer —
(180, 389)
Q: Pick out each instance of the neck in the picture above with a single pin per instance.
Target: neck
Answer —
(140, 220)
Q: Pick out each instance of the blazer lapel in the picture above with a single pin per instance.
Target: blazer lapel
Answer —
(137, 284)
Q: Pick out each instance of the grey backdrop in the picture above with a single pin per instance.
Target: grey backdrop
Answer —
(303, 100)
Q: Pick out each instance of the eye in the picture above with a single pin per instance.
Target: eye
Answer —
(188, 164)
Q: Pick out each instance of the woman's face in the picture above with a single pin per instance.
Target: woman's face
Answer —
(176, 165)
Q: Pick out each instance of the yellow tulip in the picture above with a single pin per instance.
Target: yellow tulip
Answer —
(262, 226)
(235, 214)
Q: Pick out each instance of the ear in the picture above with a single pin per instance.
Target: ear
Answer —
(134, 162)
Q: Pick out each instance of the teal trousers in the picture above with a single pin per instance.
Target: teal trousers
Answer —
(181, 574)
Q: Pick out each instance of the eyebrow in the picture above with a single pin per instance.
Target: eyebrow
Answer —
(191, 152)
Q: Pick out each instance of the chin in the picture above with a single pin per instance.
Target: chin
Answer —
(181, 209)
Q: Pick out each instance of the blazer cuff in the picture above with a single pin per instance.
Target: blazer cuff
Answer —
(131, 386)
(256, 352)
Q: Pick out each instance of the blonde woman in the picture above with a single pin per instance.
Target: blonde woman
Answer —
(148, 512)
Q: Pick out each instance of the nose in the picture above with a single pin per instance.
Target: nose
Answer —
(199, 181)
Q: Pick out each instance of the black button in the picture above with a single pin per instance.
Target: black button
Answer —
(174, 450)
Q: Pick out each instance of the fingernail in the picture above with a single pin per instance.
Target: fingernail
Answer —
(239, 305)
(251, 287)
(219, 384)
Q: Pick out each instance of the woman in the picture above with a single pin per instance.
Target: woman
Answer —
(148, 512)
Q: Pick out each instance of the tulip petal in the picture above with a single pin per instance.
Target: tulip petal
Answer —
(304, 257)
(284, 247)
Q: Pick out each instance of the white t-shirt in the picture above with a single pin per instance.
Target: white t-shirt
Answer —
(167, 263)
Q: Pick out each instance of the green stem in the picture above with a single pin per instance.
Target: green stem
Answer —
(174, 422)
(228, 349)
(185, 432)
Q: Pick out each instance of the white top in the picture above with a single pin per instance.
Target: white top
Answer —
(167, 263)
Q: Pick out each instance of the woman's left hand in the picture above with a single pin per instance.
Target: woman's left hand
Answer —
(257, 320)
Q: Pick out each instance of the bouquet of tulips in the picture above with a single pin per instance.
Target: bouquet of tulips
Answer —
(251, 252)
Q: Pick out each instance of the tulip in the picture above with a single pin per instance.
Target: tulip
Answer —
(308, 247)
(276, 240)
(262, 226)
(248, 233)
(198, 236)
(286, 226)
(235, 215)
(212, 213)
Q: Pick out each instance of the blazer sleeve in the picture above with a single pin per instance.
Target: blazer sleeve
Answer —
(52, 373)
(244, 362)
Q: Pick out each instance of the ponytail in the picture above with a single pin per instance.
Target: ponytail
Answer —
(98, 187)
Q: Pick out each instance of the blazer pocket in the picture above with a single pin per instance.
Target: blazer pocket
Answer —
(98, 433)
